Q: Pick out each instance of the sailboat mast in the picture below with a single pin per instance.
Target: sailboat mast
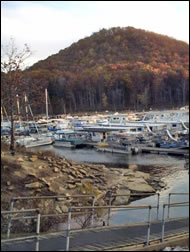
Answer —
(18, 107)
(46, 95)
(1, 113)
(26, 107)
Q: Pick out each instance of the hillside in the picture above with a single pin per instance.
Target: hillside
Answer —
(117, 45)
(115, 69)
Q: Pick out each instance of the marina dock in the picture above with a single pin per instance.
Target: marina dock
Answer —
(166, 151)
(152, 150)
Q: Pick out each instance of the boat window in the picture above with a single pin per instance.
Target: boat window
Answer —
(133, 130)
(174, 125)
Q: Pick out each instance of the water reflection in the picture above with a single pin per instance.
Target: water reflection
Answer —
(92, 156)
(178, 182)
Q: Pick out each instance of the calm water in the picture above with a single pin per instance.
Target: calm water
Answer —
(170, 168)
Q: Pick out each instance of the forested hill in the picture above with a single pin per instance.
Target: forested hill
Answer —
(115, 69)
(117, 45)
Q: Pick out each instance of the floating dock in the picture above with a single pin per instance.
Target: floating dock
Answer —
(112, 150)
(152, 150)
(166, 151)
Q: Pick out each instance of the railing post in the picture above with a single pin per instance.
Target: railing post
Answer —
(149, 223)
(9, 219)
(37, 230)
(68, 229)
(109, 209)
(158, 205)
(163, 223)
(169, 204)
(92, 214)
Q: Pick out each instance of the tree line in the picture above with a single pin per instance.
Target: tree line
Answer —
(115, 69)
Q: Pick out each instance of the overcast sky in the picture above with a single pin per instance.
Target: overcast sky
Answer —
(49, 26)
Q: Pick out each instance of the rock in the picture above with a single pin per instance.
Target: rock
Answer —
(78, 184)
(156, 179)
(34, 185)
(11, 187)
(71, 177)
(58, 209)
(64, 209)
(129, 174)
(143, 175)
(132, 167)
(46, 181)
(91, 176)
(122, 200)
(20, 159)
(72, 173)
(8, 183)
(18, 174)
(70, 186)
(55, 169)
(80, 176)
(71, 182)
(139, 185)
(162, 184)
(83, 171)
(40, 167)
(33, 159)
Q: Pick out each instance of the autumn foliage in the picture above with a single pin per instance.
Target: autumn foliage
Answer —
(115, 69)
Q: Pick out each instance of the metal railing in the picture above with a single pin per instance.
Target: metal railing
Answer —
(45, 198)
(73, 211)
(111, 196)
(169, 199)
(37, 211)
(107, 207)
(176, 204)
(132, 195)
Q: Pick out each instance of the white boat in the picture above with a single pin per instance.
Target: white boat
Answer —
(29, 142)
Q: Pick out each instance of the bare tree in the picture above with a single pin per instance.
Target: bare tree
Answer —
(12, 63)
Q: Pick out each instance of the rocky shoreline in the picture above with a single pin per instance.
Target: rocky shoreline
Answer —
(45, 174)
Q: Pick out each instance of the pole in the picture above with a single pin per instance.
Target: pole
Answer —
(1, 113)
(46, 95)
(109, 209)
(158, 204)
(68, 229)
(163, 223)
(148, 231)
(92, 215)
(9, 219)
(26, 108)
(169, 205)
(37, 231)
